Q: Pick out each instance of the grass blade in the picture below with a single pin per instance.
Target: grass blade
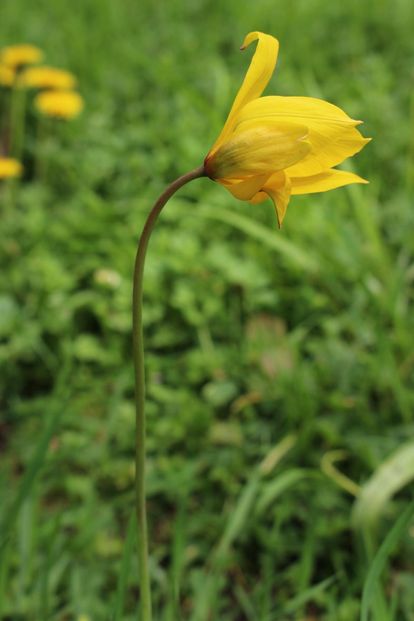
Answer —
(391, 476)
(29, 478)
(380, 559)
(288, 249)
(124, 571)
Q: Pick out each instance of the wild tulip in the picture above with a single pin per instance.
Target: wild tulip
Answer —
(269, 147)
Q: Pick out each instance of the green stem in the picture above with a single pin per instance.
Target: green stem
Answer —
(138, 355)
(40, 162)
(18, 120)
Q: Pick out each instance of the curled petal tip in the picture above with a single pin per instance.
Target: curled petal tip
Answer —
(256, 79)
(246, 41)
(257, 35)
(253, 36)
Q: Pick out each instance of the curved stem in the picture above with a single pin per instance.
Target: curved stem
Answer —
(138, 355)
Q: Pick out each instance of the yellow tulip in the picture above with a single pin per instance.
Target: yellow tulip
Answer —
(280, 146)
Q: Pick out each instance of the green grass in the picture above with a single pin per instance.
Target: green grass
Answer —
(266, 349)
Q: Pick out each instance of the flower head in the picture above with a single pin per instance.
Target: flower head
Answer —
(47, 77)
(274, 147)
(59, 104)
(18, 55)
(10, 168)
(6, 75)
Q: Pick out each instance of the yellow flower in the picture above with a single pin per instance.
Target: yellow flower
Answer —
(47, 77)
(6, 75)
(279, 146)
(9, 168)
(59, 104)
(17, 55)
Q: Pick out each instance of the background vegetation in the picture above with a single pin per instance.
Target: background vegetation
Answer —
(267, 351)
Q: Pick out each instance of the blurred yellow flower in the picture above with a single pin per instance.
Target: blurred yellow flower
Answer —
(17, 55)
(59, 104)
(279, 146)
(9, 168)
(6, 75)
(47, 77)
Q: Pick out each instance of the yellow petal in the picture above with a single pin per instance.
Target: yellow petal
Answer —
(258, 148)
(279, 193)
(258, 198)
(332, 132)
(278, 188)
(328, 180)
(257, 77)
(245, 189)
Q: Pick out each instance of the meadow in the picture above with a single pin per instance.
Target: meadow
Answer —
(279, 362)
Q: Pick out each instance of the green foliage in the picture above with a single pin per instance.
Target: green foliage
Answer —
(253, 335)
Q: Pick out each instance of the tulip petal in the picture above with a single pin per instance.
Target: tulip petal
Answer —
(323, 182)
(245, 189)
(278, 188)
(256, 148)
(260, 197)
(257, 77)
(332, 132)
(279, 193)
